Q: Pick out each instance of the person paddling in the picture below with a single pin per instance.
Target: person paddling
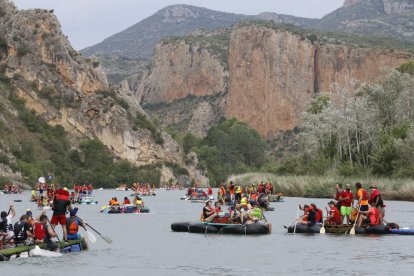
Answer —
(6, 226)
(72, 225)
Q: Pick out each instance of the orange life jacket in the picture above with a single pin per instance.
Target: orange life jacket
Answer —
(72, 226)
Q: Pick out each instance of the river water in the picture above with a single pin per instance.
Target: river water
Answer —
(144, 244)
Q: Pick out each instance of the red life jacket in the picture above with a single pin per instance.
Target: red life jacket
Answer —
(374, 216)
(62, 196)
(76, 188)
(39, 230)
(364, 194)
(318, 215)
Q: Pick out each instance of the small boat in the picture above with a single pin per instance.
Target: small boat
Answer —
(87, 201)
(344, 229)
(122, 189)
(24, 251)
(126, 209)
(276, 198)
(221, 228)
(100, 189)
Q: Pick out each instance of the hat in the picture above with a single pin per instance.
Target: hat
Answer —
(65, 189)
(29, 213)
(73, 212)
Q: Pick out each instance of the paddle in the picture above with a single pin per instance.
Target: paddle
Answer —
(352, 231)
(296, 222)
(107, 239)
(89, 235)
(57, 236)
(322, 231)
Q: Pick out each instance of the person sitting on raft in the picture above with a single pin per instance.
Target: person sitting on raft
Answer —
(6, 226)
(72, 225)
(236, 214)
(318, 213)
(23, 232)
(334, 217)
(209, 213)
(43, 233)
(126, 201)
(114, 202)
(309, 216)
(370, 217)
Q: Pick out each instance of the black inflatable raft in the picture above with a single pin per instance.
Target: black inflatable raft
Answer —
(344, 229)
(211, 228)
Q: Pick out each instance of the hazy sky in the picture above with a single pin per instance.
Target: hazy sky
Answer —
(87, 22)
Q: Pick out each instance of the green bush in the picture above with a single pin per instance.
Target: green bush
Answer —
(4, 159)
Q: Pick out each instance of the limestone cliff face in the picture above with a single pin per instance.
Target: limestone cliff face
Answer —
(36, 55)
(271, 77)
(341, 64)
(181, 70)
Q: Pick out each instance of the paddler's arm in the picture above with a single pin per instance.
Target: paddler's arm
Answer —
(12, 211)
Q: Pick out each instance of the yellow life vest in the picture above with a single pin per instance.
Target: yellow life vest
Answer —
(238, 190)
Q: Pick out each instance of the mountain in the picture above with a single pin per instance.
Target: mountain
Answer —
(53, 99)
(261, 73)
(139, 40)
(383, 18)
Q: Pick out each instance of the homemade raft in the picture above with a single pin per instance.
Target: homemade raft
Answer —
(219, 228)
(344, 229)
(69, 246)
(127, 209)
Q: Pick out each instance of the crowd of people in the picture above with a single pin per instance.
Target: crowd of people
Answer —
(362, 208)
(29, 230)
(143, 189)
(12, 189)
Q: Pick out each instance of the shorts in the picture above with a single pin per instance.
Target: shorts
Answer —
(58, 219)
(74, 237)
(345, 210)
(363, 208)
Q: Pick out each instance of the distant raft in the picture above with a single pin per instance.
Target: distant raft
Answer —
(344, 229)
(126, 209)
(219, 228)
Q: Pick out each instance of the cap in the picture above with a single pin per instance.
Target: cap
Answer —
(29, 213)
(65, 189)
(74, 211)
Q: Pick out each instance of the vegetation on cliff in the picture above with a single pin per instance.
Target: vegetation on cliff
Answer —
(367, 133)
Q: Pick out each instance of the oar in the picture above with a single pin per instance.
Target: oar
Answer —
(296, 221)
(89, 235)
(57, 236)
(107, 239)
(322, 231)
(352, 231)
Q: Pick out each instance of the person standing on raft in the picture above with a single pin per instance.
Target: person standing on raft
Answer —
(61, 204)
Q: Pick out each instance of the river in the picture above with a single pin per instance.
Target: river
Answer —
(144, 244)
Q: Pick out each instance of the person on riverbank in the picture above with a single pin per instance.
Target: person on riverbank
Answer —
(209, 213)
(362, 197)
(347, 202)
(72, 225)
(376, 199)
(334, 217)
(61, 204)
(6, 226)
(370, 217)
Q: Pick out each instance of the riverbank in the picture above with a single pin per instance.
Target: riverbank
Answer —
(324, 186)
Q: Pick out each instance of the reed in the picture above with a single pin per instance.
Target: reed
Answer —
(324, 186)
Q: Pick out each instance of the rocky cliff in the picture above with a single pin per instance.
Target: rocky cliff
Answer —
(272, 73)
(67, 89)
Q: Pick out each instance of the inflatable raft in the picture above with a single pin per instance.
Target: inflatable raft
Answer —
(127, 209)
(219, 228)
(24, 251)
(344, 229)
